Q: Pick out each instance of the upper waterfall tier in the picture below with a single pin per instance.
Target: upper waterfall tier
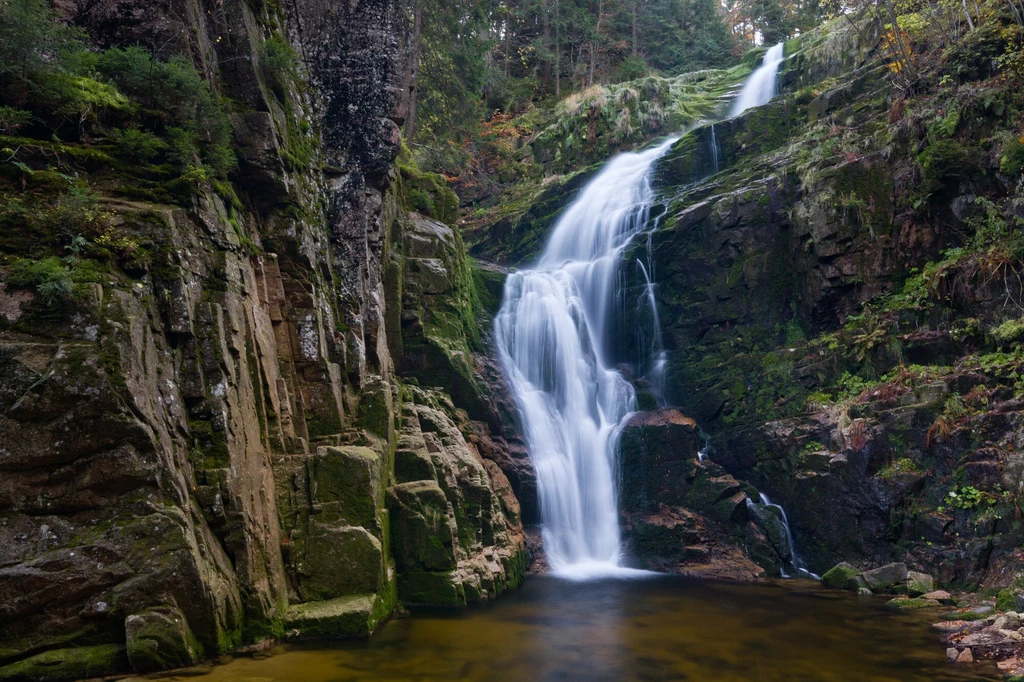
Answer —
(760, 87)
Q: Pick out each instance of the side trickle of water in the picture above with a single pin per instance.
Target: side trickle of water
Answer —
(796, 564)
(714, 151)
(760, 87)
(551, 334)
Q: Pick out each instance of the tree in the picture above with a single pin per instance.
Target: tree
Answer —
(33, 45)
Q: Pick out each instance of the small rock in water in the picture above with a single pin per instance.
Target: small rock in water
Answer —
(952, 654)
(965, 656)
(939, 595)
(864, 592)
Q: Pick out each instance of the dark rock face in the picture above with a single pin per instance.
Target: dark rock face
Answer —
(684, 515)
(198, 454)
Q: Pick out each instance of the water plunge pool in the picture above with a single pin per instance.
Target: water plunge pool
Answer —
(657, 628)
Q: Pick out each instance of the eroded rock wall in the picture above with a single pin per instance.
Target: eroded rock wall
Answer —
(200, 452)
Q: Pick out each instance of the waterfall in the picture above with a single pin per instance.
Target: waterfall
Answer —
(760, 87)
(552, 330)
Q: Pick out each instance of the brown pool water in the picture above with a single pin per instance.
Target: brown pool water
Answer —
(666, 628)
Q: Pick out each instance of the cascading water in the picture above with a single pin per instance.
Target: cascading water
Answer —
(796, 564)
(552, 332)
(760, 87)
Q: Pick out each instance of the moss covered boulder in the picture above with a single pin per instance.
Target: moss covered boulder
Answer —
(160, 638)
(350, 616)
(841, 577)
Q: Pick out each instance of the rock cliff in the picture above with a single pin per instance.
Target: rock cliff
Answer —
(220, 437)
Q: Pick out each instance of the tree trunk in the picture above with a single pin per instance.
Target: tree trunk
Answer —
(634, 27)
(545, 69)
(593, 43)
(558, 52)
(508, 38)
(414, 69)
(970, 23)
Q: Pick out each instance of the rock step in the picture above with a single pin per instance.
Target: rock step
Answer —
(351, 616)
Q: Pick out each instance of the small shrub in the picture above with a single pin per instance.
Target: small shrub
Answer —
(52, 279)
(279, 63)
(11, 119)
(1009, 331)
(139, 145)
(904, 465)
(942, 162)
(1012, 160)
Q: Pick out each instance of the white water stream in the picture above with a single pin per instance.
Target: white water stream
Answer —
(760, 87)
(552, 330)
(551, 334)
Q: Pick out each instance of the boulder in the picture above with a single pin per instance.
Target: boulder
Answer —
(919, 583)
(841, 577)
(351, 616)
(1007, 621)
(160, 638)
(940, 596)
(886, 577)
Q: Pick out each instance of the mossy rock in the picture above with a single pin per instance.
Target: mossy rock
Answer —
(67, 664)
(351, 616)
(423, 529)
(159, 639)
(841, 577)
(902, 604)
(439, 589)
(964, 615)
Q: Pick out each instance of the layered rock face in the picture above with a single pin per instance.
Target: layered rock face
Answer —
(685, 515)
(201, 452)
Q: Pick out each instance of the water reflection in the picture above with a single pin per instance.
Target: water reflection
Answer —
(666, 628)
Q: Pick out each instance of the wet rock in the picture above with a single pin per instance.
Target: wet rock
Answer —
(160, 638)
(952, 653)
(841, 577)
(886, 577)
(940, 596)
(994, 643)
(350, 616)
(965, 656)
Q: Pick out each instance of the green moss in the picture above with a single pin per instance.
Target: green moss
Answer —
(351, 616)
(902, 604)
(67, 664)
(903, 465)
(963, 615)
(437, 589)
(1006, 600)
